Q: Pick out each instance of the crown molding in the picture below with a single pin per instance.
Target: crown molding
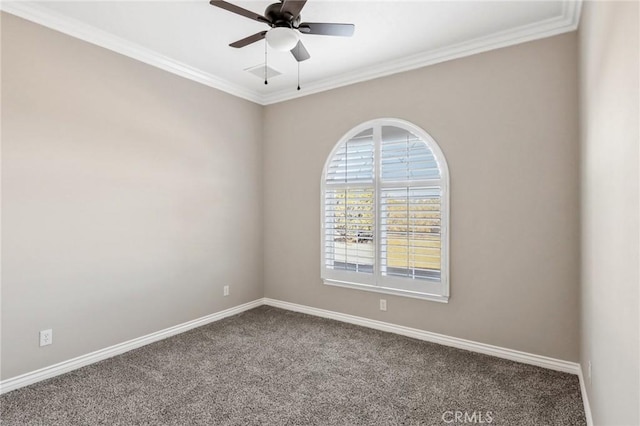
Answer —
(74, 28)
(566, 22)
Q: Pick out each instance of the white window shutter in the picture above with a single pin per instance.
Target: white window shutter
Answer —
(349, 229)
(410, 244)
(410, 207)
(385, 212)
(349, 203)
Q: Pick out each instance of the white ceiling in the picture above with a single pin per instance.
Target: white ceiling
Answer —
(191, 38)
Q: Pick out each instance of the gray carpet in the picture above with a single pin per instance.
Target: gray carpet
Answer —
(273, 367)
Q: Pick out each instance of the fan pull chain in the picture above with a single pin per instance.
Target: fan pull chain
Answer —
(298, 48)
(265, 62)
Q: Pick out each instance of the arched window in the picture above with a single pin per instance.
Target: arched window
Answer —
(385, 212)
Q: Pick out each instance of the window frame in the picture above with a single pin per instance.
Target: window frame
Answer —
(376, 282)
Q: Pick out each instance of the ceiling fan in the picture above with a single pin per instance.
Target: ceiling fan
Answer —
(284, 20)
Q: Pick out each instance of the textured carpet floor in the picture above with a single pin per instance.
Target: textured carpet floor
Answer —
(268, 366)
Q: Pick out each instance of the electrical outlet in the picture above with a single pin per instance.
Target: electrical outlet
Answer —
(383, 304)
(225, 290)
(46, 337)
(589, 371)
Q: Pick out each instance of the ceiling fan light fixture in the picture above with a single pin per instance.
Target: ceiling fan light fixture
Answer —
(282, 38)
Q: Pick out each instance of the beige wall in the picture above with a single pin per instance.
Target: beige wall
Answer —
(130, 197)
(609, 51)
(507, 122)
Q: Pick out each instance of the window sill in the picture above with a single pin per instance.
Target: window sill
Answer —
(386, 290)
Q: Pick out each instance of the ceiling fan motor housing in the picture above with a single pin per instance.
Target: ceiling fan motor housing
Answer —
(280, 19)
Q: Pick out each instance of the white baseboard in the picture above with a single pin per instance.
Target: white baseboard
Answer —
(585, 399)
(510, 354)
(93, 357)
(513, 355)
(90, 358)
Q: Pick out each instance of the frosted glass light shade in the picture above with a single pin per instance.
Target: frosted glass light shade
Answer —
(282, 39)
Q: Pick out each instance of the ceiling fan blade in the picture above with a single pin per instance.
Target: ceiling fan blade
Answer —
(321, 28)
(293, 7)
(248, 40)
(238, 10)
(299, 52)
